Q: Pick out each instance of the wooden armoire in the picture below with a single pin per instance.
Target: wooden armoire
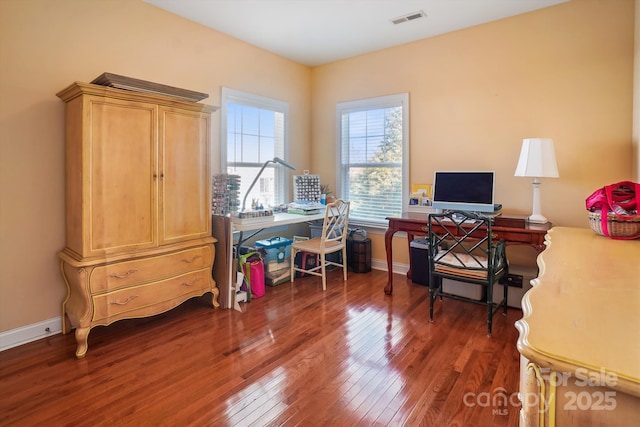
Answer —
(138, 206)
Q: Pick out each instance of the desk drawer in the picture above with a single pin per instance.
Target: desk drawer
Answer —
(512, 237)
(145, 300)
(124, 274)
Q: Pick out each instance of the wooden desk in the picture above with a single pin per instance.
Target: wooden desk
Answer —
(514, 230)
(580, 333)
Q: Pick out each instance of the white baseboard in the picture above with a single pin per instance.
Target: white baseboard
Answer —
(381, 264)
(29, 333)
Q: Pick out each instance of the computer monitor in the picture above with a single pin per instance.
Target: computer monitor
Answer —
(464, 190)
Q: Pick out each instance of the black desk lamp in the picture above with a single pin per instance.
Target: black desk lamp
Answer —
(274, 160)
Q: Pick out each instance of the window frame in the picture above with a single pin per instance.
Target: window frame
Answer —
(396, 100)
(281, 174)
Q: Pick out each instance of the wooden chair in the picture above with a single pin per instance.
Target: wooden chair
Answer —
(332, 239)
(462, 248)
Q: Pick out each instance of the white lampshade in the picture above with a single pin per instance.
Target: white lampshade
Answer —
(537, 159)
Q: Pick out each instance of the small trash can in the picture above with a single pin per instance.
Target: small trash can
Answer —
(419, 261)
(359, 255)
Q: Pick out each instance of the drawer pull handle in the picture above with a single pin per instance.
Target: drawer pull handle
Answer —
(189, 261)
(191, 283)
(123, 276)
(125, 302)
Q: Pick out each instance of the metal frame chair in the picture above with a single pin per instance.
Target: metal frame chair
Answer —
(462, 248)
(332, 239)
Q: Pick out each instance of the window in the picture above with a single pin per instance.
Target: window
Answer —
(255, 130)
(373, 147)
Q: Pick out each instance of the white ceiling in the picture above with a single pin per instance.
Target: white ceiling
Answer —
(315, 32)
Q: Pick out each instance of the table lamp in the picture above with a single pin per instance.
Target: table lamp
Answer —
(537, 160)
(274, 160)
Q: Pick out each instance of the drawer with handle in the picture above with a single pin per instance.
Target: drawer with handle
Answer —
(123, 274)
(150, 298)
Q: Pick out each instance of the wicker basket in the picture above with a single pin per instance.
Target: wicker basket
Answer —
(617, 227)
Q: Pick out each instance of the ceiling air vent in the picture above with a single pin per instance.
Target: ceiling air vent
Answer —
(409, 17)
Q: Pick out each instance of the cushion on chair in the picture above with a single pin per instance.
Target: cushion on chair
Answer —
(462, 265)
(313, 245)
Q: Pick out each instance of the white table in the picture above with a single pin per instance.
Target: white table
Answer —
(278, 220)
(224, 267)
(261, 224)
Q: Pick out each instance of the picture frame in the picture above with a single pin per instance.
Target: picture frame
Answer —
(420, 198)
(424, 189)
(420, 195)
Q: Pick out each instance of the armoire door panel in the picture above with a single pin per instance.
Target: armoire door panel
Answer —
(122, 187)
(186, 178)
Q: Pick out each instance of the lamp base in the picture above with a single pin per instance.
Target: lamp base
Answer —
(537, 219)
(536, 216)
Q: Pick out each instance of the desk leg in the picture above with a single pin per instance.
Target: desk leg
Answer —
(388, 238)
(410, 238)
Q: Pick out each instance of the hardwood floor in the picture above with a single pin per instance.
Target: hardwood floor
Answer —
(350, 356)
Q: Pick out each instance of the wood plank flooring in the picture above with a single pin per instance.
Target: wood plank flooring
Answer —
(350, 356)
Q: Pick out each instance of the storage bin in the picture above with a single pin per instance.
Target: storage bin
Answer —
(315, 228)
(465, 289)
(278, 251)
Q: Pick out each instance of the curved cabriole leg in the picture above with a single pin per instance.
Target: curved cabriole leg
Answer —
(82, 336)
(66, 324)
(215, 292)
(388, 237)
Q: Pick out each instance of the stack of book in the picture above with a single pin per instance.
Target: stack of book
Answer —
(305, 207)
(276, 277)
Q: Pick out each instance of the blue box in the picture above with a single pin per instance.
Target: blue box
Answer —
(278, 249)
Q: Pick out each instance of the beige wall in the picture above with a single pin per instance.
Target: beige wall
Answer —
(636, 96)
(45, 46)
(564, 72)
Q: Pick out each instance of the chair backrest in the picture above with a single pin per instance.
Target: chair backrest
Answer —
(462, 245)
(336, 221)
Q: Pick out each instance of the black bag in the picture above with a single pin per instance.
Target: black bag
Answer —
(357, 234)
(305, 260)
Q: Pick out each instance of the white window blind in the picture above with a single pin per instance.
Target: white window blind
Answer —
(373, 166)
(255, 130)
